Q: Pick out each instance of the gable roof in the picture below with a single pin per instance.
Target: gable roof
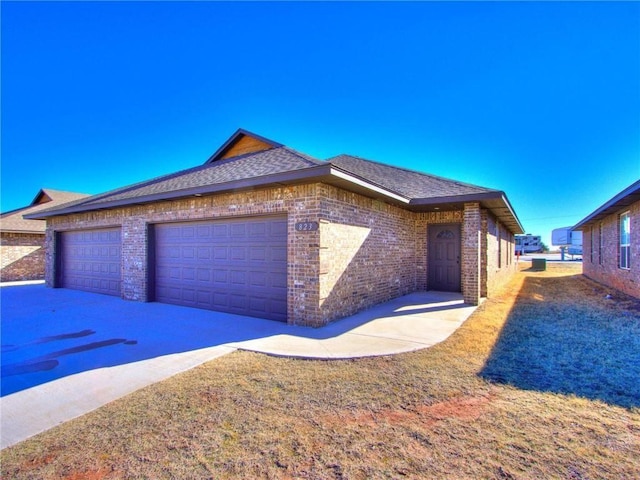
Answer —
(624, 199)
(46, 198)
(247, 161)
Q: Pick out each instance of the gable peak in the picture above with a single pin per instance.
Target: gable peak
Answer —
(41, 197)
(242, 142)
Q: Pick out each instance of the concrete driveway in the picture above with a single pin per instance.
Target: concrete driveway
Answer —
(66, 352)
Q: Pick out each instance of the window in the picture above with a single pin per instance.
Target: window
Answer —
(499, 245)
(625, 240)
(600, 243)
(591, 245)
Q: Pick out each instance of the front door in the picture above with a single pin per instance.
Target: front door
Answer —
(444, 257)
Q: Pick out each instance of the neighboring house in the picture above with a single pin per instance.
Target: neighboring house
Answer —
(265, 231)
(22, 241)
(611, 242)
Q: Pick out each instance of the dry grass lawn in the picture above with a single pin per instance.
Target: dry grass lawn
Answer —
(542, 381)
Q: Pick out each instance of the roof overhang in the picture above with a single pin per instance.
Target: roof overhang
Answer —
(495, 201)
(306, 175)
(621, 201)
(22, 232)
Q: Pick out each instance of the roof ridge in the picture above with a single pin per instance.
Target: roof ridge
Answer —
(451, 180)
(304, 156)
(45, 189)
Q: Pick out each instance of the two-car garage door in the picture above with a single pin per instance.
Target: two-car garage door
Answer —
(233, 265)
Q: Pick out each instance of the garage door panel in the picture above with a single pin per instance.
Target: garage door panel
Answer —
(279, 281)
(90, 260)
(279, 254)
(258, 279)
(237, 266)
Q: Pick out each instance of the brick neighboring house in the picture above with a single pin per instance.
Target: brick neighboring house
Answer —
(22, 240)
(611, 242)
(263, 230)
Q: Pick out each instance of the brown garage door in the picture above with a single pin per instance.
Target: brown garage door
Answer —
(90, 260)
(236, 266)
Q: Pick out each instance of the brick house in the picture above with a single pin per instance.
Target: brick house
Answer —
(22, 240)
(611, 242)
(263, 230)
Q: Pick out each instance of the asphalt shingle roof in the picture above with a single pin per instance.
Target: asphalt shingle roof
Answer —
(14, 222)
(408, 183)
(283, 164)
(267, 162)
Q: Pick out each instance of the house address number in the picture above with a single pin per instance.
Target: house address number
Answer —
(306, 226)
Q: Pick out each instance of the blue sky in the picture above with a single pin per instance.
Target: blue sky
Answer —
(541, 100)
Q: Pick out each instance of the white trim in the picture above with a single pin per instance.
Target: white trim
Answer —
(369, 186)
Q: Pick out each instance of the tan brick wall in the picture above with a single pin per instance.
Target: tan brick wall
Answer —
(367, 252)
(498, 260)
(22, 256)
(471, 253)
(603, 265)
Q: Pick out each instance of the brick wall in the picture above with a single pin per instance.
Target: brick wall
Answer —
(300, 203)
(602, 264)
(364, 252)
(498, 261)
(367, 252)
(22, 256)
(472, 244)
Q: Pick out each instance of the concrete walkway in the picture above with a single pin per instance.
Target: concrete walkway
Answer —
(409, 323)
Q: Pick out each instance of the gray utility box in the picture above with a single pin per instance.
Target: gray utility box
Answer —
(539, 264)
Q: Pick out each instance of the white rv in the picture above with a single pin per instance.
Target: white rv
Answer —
(528, 244)
(571, 240)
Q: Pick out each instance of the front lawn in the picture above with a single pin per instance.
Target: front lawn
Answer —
(542, 381)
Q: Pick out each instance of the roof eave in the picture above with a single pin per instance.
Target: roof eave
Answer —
(320, 173)
(285, 178)
(28, 232)
(470, 197)
(326, 173)
(495, 200)
(624, 199)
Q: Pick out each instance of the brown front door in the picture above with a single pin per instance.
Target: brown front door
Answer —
(444, 257)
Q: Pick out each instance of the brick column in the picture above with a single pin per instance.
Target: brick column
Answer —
(471, 250)
(134, 259)
(50, 256)
(304, 260)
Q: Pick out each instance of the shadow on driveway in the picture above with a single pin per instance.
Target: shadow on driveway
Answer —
(564, 336)
(49, 333)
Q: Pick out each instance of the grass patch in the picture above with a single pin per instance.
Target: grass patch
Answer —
(538, 383)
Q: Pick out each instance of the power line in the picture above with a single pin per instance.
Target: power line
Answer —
(549, 218)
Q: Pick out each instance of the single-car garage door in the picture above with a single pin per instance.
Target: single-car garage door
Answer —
(233, 265)
(89, 260)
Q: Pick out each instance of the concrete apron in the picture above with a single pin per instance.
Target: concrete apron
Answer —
(408, 323)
